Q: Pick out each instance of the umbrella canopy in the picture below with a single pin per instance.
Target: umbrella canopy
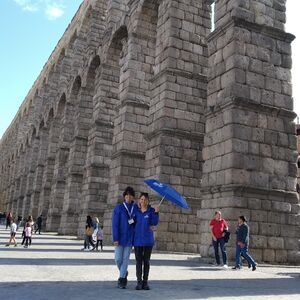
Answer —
(167, 192)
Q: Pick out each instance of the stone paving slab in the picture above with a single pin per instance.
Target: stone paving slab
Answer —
(55, 268)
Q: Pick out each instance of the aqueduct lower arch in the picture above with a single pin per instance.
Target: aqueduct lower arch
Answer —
(141, 89)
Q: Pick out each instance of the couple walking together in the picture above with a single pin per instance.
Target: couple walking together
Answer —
(133, 225)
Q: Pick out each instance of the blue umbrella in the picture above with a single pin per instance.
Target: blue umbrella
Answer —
(167, 192)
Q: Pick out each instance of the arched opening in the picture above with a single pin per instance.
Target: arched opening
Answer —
(50, 115)
(72, 39)
(61, 106)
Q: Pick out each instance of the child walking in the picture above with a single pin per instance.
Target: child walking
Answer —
(100, 236)
(27, 233)
(13, 231)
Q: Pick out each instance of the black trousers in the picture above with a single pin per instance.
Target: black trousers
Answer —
(101, 244)
(7, 223)
(142, 257)
(39, 227)
(27, 240)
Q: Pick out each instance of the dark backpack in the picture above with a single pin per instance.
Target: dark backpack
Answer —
(226, 236)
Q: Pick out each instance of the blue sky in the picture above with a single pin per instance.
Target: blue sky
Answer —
(30, 29)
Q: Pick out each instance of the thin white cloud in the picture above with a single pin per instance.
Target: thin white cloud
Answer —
(54, 12)
(27, 5)
(53, 9)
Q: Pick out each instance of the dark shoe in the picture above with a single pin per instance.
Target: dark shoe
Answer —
(139, 285)
(254, 268)
(145, 285)
(121, 283)
(236, 268)
(249, 266)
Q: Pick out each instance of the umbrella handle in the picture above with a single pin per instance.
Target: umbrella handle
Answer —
(161, 201)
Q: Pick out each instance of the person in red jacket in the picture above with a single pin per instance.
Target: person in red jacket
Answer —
(218, 226)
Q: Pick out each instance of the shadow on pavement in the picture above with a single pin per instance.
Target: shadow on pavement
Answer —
(56, 261)
(95, 260)
(295, 275)
(175, 289)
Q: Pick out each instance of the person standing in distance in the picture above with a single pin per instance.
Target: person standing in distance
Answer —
(218, 226)
(122, 233)
(39, 222)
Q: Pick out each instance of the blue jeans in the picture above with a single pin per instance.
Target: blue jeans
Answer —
(243, 251)
(216, 244)
(122, 255)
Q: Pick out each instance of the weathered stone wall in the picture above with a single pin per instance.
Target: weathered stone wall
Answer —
(142, 89)
(250, 145)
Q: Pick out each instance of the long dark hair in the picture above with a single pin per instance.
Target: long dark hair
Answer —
(146, 195)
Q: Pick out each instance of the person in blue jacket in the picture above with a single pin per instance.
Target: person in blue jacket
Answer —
(242, 244)
(122, 233)
(146, 218)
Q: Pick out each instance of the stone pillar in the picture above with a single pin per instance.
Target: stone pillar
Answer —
(78, 151)
(16, 184)
(176, 115)
(99, 142)
(39, 172)
(7, 204)
(96, 176)
(20, 193)
(61, 168)
(250, 144)
(12, 184)
(31, 166)
(48, 177)
(129, 145)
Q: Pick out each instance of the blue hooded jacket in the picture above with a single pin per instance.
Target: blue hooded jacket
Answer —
(122, 231)
(143, 234)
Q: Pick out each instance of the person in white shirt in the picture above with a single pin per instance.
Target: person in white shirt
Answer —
(13, 231)
(28, 233)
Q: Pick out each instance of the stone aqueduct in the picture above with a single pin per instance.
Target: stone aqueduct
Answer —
(142, 88)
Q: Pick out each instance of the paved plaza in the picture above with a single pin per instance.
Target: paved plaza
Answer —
(55, 268)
